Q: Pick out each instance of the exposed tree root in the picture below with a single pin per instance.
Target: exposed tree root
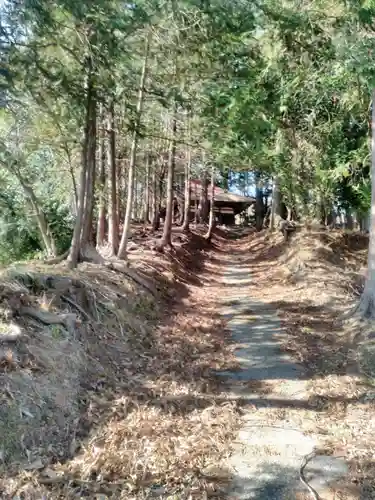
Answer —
(162, 246)
(57, 259)
(66, 320)
(38, 282)
(90, 254)
(122, 268)
(87, 254)
(76, 306)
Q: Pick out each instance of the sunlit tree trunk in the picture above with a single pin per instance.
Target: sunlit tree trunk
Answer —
(81, 218)
(133, 154)
(196, 214)
(135, 196)
(276, 203)
(75, 244)
(146, 197)
(259, 208)
(102, 182)
(155, 209)
(366, 306)
(211, 223)
(113, 224)
(12, 166)
(187, 192)
(120, 195)
(203, 200)
(88, 213)
(167, 229)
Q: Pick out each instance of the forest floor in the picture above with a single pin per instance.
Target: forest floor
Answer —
(108, 382)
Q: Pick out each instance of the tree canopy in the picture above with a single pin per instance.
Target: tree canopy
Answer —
(273, 90)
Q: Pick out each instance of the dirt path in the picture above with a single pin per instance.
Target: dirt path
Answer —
(143, 402)
(270, 446)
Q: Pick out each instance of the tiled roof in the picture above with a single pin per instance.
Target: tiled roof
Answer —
(220, 194)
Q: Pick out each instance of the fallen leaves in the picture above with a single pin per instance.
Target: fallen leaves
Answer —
(153, 419)
(311, 288)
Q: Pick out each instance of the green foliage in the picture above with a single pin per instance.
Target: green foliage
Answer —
(61, 222)
(18, 239)
(19, 235)
(279, 88)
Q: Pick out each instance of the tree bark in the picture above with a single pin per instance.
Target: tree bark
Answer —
(88, 213)
(203, 199)
(120, 192)
(100, 237)
(73, 256)
(155, 210)
(135, 197)
(259, 208)
(211, 223)
(167, 229)
(276, 203)
(289, 214)
(146, 205)
(113, 223)
(187, 193)
(74, 183)
(349, 220)
(366, 307)
(196, 214)
(76, 243)
(133, 154)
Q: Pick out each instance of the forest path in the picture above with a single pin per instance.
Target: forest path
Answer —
(269, 448)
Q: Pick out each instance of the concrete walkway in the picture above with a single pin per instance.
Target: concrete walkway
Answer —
(269, 449)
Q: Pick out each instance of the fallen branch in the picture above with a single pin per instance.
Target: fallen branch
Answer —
(305, 461)
(94, 486)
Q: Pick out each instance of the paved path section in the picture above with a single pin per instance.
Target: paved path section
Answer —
(268, 451)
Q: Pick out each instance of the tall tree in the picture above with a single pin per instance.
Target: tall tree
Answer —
(102, 178)
(113, 222)
(211, 224)
(167, 229)
(366, 305)
(133, 154)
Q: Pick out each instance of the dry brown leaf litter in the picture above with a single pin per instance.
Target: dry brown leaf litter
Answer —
(151, 418)
(315, 278)
(139, 412)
